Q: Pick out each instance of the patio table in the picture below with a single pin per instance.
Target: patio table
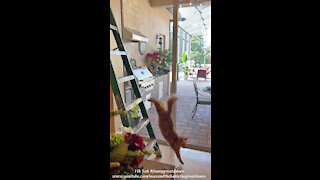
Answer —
(207, 89)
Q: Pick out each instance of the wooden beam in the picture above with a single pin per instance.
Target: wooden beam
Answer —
(112, 126)
(184, 3)
(174, 55)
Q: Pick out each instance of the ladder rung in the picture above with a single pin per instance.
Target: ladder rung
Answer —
(125, 78)
(118, 53)
(151, 144)
(143, 123)
(133, 103)
(113, 27)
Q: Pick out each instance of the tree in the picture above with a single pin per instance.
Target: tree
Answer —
(207, 55)
(199, 53)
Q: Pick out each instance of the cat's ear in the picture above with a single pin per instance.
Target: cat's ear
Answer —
(186, 138)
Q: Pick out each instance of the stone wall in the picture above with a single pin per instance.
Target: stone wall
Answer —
(140, 16)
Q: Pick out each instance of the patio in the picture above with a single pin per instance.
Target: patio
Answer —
(198, 130)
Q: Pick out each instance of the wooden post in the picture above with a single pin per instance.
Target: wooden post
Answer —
(112, 128)
(174, 55)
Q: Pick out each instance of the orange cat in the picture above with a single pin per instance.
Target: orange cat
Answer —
(166, 125)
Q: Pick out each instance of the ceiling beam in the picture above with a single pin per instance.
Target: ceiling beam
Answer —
(196, 30)
(200, 25)
(184, 3)
(189, 23)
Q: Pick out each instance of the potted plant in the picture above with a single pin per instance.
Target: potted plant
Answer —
(135, 115)
(166, 60)
(183, 64)
(154, 59)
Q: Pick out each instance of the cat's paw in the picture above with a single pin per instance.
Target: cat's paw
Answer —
(152, 99)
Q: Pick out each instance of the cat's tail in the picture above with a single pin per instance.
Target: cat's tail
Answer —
(171, 101)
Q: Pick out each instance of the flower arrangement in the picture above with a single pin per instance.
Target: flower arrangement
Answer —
(128, 150)
(184, 64)
(154, 60)
(161, 58)
(167, 58)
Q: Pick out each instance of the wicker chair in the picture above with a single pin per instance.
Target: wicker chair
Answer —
(201, 99)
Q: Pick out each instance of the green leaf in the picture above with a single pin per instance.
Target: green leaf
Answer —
(135, 153)
(184, 57)
(119, 152)
(115, 140)
(134, 112)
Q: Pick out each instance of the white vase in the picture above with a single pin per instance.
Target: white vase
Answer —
(185, 77)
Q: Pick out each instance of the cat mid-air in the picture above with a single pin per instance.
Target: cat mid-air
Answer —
(166, 125)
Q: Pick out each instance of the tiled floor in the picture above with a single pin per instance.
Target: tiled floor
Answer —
(198, 129)
(195, 162)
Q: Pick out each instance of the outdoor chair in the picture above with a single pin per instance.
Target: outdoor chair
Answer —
(208, 72)
(201, 99)
(202, 73)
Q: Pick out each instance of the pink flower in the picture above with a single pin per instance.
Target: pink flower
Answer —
(135, 162)
(135, 142)
(149, 55)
